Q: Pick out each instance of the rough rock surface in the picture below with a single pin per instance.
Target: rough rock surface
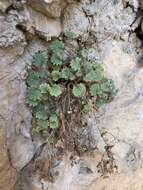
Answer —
(110, 28)
(51, 8)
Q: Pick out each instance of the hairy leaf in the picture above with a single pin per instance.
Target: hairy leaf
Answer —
(75, 64)
(93, 76)
(43, 74)
(67, 74)
(33, 79)
(53, 121)
(55, 60)
(57, 46)
(31, 102)
(56, 75)
(84, 53)
(55, 90)
(69, 34)
(44, 88)
(39, 59)
(87, 108)
(42, 115)
(33, 94)
(95, 89)
(87, 67)
(79, 90)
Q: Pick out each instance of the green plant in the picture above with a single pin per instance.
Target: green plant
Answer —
(60, 86)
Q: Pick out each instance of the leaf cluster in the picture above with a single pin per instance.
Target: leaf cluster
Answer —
(52, 79)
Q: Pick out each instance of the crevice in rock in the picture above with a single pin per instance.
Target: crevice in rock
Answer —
(139, 32)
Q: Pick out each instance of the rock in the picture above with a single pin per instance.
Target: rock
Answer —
(9, 35)
(51, 8)
(8, 174)
(4, 4)
(141, 4)
(109, 21)
(16, 146)
(20, 157)
(75, 20)
(71, 173)
(37, 23)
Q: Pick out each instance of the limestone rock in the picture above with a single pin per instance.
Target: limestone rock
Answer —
(8, 174)
(23, 155)
(75, 20)
(4, 4)
(9, 35)
(51, 8)
(37, 23)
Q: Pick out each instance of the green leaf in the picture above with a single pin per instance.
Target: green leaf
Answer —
(79, 90)
(53, 118)
(93, 76)
(75, 64)
(97, 66)
(33, 79)
(87, 108)
(39, 59)
(67, 74)
(40, 107)
(55, 90)
(79, 74)
(43, 74)
(95, 89)
(41, 115)
(56, 75)
(33, 94)
(69, 34)
(99, 102)
(84, 53)
(42, 124)
(57, 46)
(87, 67)
(44, 88)
(31, 103)
(53, 121)
(55, 60)
(33, 97)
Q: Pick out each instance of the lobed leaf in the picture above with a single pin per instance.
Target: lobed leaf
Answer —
(41, 115)
(57, 46)
(79, 90)
(55, 60)
(84, 52)
(93, 76)
(75, 64)
(69, 34)
(56, 75)
(67, 74)
(95, 89)
(39, 59)
(33, 79)
(53, 120)
(44, 88)
(55, 90)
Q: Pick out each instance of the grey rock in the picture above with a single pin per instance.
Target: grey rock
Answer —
(75, 20)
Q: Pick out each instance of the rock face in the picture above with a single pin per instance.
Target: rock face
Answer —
(51, 8)
(110, 28)
(8, 174)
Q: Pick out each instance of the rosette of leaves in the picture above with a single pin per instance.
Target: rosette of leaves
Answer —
(52, 79)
